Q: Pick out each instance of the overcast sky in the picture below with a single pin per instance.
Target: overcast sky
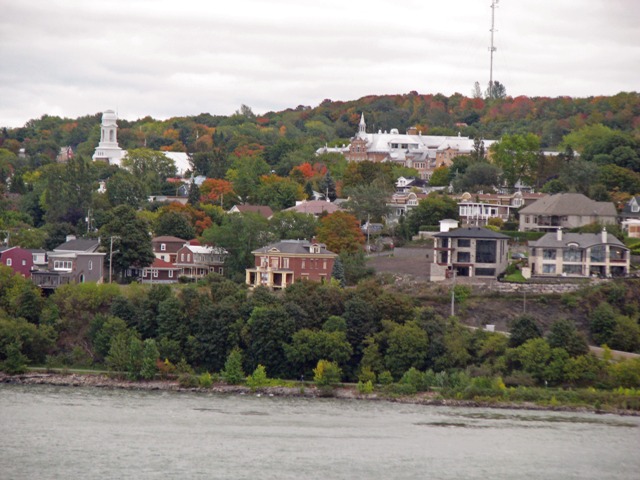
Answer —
(173, 58)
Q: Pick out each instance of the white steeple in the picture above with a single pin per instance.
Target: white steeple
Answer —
(108, 149)
(362, 127)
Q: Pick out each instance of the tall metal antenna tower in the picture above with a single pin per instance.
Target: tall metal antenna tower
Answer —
(494, 5)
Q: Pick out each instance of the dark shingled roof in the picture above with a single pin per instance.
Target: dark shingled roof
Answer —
(79, 245)
(583, 240)
(472, 232)
(293, 247)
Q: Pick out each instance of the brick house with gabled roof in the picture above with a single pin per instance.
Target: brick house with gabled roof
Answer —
(196, 261)
(160, 271)
(166, 247)
(280, 264)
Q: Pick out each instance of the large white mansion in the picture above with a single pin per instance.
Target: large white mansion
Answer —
(425, 153)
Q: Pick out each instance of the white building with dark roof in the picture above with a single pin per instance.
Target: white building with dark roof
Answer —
(565, 210)
(562, 254)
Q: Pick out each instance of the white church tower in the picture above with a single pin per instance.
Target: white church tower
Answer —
(108, 149)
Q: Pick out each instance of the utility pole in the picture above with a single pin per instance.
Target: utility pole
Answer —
(453, 294)
(492, 48)
(111, 252)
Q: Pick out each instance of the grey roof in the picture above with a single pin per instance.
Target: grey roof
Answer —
(472, 232)
(569, 204)
(583, 240)
(79, 245)
(300, 247)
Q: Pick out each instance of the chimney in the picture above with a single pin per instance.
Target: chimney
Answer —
(70, 237)
(604, 234)
(559, 234)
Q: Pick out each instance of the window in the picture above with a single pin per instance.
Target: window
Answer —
(285, 263)
(572, 255)
(485, 251)
(170, 273)
(548, 254)
(62, 265)
(598, 253)
(155, 273)
(464, 257)
(572, 269)
(464, 242)
(9, 262)
(485, 272)
(324, 264)
(188, 257)
(182, 257)
(304, 264)
(144, 272)
(163, 247)
(548, 268)
(24, 263)
(274, 262)
(90, 264)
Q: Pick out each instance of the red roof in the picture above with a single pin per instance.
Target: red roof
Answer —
(161, 264)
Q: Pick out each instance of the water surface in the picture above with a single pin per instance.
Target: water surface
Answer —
(49, 432)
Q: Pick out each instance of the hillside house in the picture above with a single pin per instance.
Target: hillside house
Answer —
(75, 261)
(196, 261)
(565, 210)
(561, 254)
(469, 252)
(20, 260)
(280, 264)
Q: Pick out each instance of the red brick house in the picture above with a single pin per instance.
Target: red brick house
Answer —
(280, 264)
(166, 247)
(197, 261)
(18, 259)
(160, 272)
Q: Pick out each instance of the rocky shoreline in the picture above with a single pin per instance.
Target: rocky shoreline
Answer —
(309, 391)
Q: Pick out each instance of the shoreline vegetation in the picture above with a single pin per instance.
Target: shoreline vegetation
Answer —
(623, 402)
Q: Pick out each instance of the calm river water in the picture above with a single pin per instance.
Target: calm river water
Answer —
(51, 432)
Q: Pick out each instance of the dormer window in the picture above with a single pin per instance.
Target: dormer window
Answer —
(163, 247)
(635, 208)
(314, 249)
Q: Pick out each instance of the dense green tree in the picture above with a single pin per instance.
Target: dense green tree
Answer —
(239, 234)
(523, 328)
(124, 188)
(368, 202)
(233, 372)
(151, 167)
(478, 177)
(131, 240)
(176, 224)
(602, 323)
(407, 347)
(309, 346)
(440, 177)
(268, 330)
(564, 334)
(292, 225)
(430, 211)
(517, 157)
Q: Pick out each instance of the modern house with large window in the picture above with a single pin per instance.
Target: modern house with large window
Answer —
(579, 255)
(280, 264)
(469, 252)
